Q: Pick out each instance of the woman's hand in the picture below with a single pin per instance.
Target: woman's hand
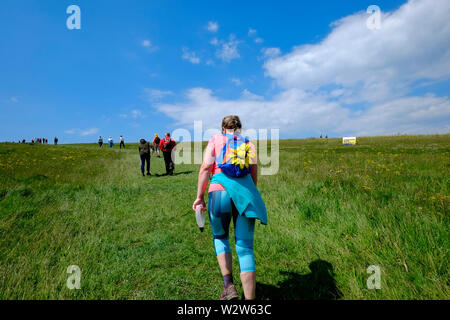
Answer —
(199, 202)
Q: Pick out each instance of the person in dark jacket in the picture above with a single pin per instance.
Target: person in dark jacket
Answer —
(166, 145)
(144, 152)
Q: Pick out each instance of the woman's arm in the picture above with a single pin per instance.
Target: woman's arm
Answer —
(254, 174)
(203, 177)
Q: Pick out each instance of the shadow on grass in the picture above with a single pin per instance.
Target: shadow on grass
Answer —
(317, 285)
(174, 174)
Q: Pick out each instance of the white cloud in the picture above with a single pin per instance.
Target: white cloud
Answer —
(88, 132)
(146, 43)
(289, 110)
(10, 100)
(236, 81)
(136, 114)
(373, 65)
(212, 26)
(428, 114)
(190, 56)
(247, 95)
(271, 52)
(149, 46)
(156, 95)
(83, 133)
(356, 81)
(228, 50)
(133, 114)
(252, 32)
(297, 111)
(214, 42)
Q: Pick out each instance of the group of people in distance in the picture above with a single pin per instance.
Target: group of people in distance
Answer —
(166, 145)
(111, 142)
(40, 141)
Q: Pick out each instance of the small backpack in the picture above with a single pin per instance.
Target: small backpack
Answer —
(236, 156)
(167, 143)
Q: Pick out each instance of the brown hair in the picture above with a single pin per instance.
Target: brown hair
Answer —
(232, 122)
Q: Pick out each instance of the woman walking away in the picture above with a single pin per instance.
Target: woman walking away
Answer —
(110, 142)
(122, 142)
(231, 159)
(100, 141)
(144, 153)
(156, 142)
(166, 145)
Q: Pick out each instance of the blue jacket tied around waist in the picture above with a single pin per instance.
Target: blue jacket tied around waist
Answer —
(245, 195)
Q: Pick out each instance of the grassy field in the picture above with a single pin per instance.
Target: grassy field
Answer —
(333, 211)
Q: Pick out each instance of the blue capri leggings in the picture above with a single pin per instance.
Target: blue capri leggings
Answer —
(221, 210)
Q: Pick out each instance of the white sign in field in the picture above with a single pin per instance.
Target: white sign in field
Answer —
(349, 141)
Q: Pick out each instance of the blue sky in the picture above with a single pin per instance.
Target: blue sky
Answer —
(140, 67)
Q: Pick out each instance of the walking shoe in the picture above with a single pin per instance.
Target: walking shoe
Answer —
(149, 174)
(229, 293)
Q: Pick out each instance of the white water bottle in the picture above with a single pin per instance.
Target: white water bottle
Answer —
(200, 217)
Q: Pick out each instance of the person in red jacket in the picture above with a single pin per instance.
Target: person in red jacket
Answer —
(166, 145)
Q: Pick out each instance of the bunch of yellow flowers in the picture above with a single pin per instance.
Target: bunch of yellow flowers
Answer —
(241, 156)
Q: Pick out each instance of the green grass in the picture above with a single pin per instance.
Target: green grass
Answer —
(333, 211)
